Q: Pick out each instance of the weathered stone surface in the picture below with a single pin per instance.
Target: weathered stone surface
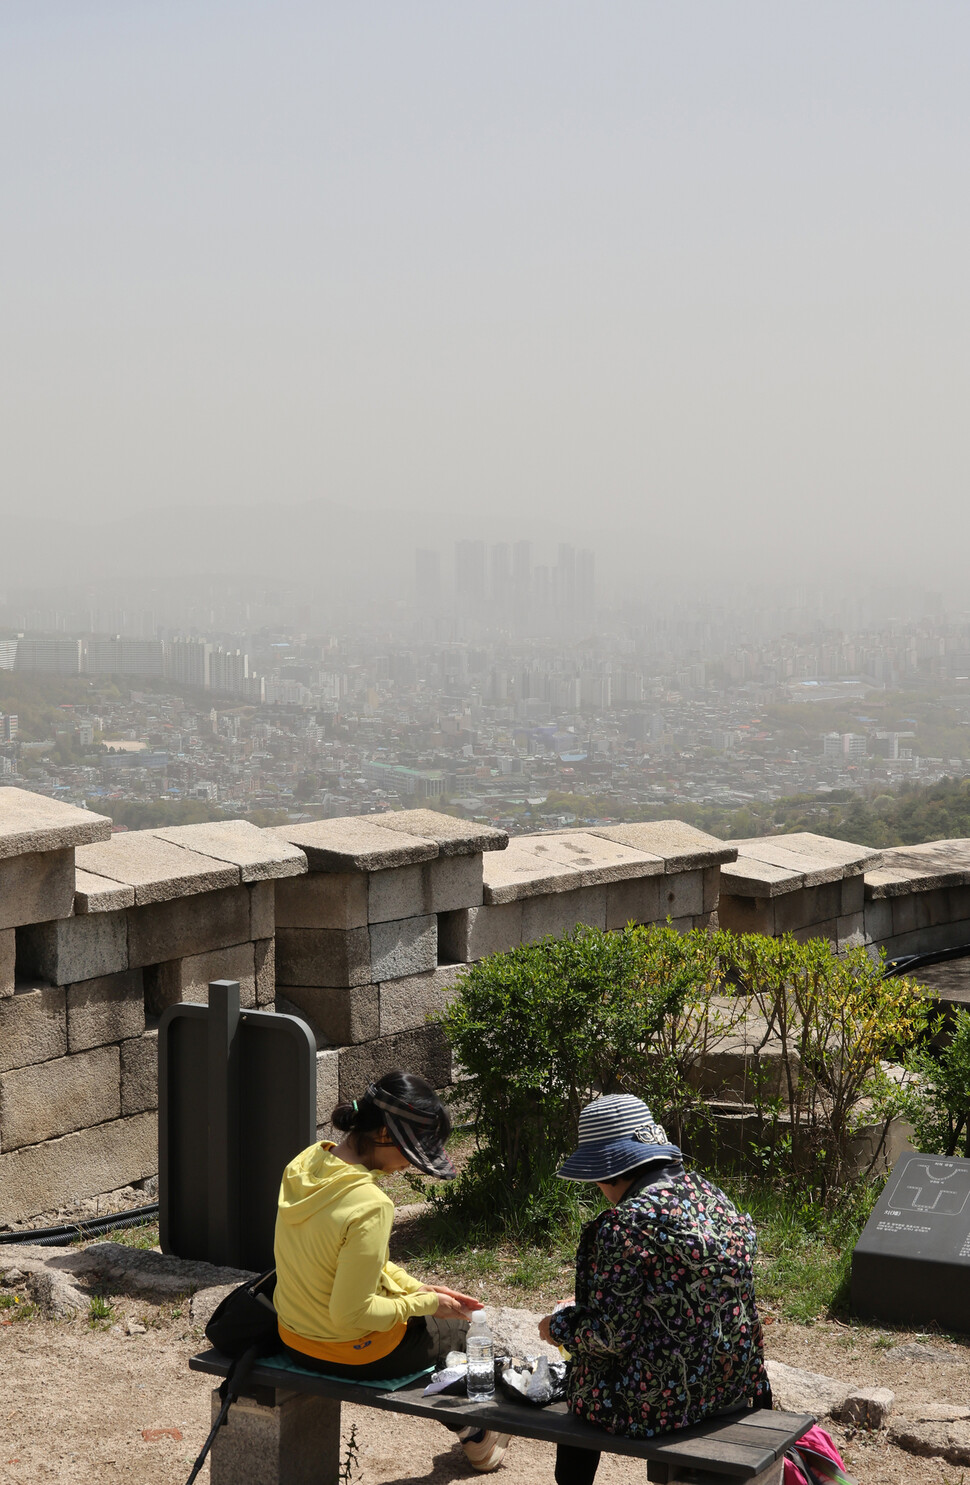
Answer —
(205, 1302)
(453, 882)
(642, 900)
(853, 894)
(156, 869)
(259, 854)
(323, 900)
(829, 930)
(851, 931)
(323, 956)
(868, 1407)
(452, 837)
(328, 1090)
(355, 844)
(923, 1355)
(188, 979)
(260, 1445)
(814, 868)
(905, 869)
(139, 1073)
(144, 1273)
(798, 1391)
(599, 859)
(187, 925)
(816, 904)
(94, 894)
(407, 1003)
(845, 854)
(529, 867)
(53, 1098)
(473, 933)
(264, 956)
(36, 887)
(56, 1297)
(105, 1010)
(396, 893)
(406, 947)
(516, 1332)
(711, 879)
(878, 920)
(561, 912)
(49, 1175)
(933, 1439)
(72, 949)
(683, 894)
(743, 914)
(8, 961)
(262, 910)
(680, 846)
(32, 822)
(337, 1015)
(423, 1050)
(747, 877)
(33, 1027)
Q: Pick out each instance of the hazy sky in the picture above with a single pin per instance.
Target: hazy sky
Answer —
(699, 270)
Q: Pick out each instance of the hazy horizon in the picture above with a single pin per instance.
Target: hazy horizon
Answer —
(684, 281)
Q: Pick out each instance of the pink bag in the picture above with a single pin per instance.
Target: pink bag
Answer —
(815, 1460)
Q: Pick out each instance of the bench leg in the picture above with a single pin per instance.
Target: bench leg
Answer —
(283, 1438)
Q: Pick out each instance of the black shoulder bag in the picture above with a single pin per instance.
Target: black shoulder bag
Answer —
(244, 1328)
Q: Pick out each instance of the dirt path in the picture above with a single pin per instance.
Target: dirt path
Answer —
(76, 1404)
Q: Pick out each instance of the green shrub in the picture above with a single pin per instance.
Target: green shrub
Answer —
(938, 1099)
(541, 1030)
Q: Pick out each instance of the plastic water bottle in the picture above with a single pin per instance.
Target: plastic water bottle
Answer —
(481, 1360)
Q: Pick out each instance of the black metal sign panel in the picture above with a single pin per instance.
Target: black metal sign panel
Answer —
(911, 1265)
(236, 1103)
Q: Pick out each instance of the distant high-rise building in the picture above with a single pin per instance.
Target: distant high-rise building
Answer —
(121, 656)
(49, 656)
(189, 662)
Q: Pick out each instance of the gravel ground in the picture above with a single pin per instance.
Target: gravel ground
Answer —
(81, 1404)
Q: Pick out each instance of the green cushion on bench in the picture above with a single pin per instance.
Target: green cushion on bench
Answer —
(283, 1363)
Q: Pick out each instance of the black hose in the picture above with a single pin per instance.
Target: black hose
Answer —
(53, 1237)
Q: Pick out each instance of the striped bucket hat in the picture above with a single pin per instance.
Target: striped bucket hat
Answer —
(617, 1133)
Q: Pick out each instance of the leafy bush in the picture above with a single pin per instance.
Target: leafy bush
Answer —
(541, 1030)
(938, 1099)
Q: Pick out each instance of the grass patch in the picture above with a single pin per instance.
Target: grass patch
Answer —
(100, 1311)
(16, 1307)
(802, 1267)
(131, 1237)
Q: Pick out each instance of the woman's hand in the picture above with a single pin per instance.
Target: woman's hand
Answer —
(452, 1304)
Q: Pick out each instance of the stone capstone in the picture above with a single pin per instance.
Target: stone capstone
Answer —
(32, 822)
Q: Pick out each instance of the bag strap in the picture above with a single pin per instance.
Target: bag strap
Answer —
(228, 1391)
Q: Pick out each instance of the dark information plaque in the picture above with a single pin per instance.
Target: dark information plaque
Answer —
(911, 1264)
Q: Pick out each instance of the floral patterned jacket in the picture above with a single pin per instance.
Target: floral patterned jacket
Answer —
(664, 1330)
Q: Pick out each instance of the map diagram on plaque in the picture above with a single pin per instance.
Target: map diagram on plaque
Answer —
(931, 1186)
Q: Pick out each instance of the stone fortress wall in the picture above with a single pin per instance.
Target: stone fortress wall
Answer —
(361, 926)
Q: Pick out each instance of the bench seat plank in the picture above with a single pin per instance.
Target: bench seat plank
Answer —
(738, 1446)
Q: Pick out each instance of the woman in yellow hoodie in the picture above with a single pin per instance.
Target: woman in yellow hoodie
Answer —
(344, 1308)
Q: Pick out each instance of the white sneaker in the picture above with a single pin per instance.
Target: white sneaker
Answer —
(484, 1450)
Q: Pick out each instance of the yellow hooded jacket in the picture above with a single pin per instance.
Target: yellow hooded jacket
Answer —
(338, 1296)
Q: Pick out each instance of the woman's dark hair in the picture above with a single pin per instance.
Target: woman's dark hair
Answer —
(362, 1119)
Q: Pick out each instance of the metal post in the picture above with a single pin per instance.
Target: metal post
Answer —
(223, 1213)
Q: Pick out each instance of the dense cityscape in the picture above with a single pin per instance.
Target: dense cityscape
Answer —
(498, 687)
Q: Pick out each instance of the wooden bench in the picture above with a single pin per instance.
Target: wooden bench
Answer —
(285, 1430)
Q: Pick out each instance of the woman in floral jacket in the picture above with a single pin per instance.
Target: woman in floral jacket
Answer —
(663, 1330)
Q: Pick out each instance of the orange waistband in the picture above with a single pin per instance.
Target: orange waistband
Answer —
(372, 1347)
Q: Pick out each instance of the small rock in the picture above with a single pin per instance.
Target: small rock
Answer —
(942, 1440)
(936, 1412)
(14, 1276)
(58, 1299)
(868, 1407)
(916, 1351)
(135, 1327)
(204, 1302)
(116, 1330)
(797, 1391)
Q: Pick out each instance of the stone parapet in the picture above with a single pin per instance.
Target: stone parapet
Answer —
(803, 884)
(917, 898)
